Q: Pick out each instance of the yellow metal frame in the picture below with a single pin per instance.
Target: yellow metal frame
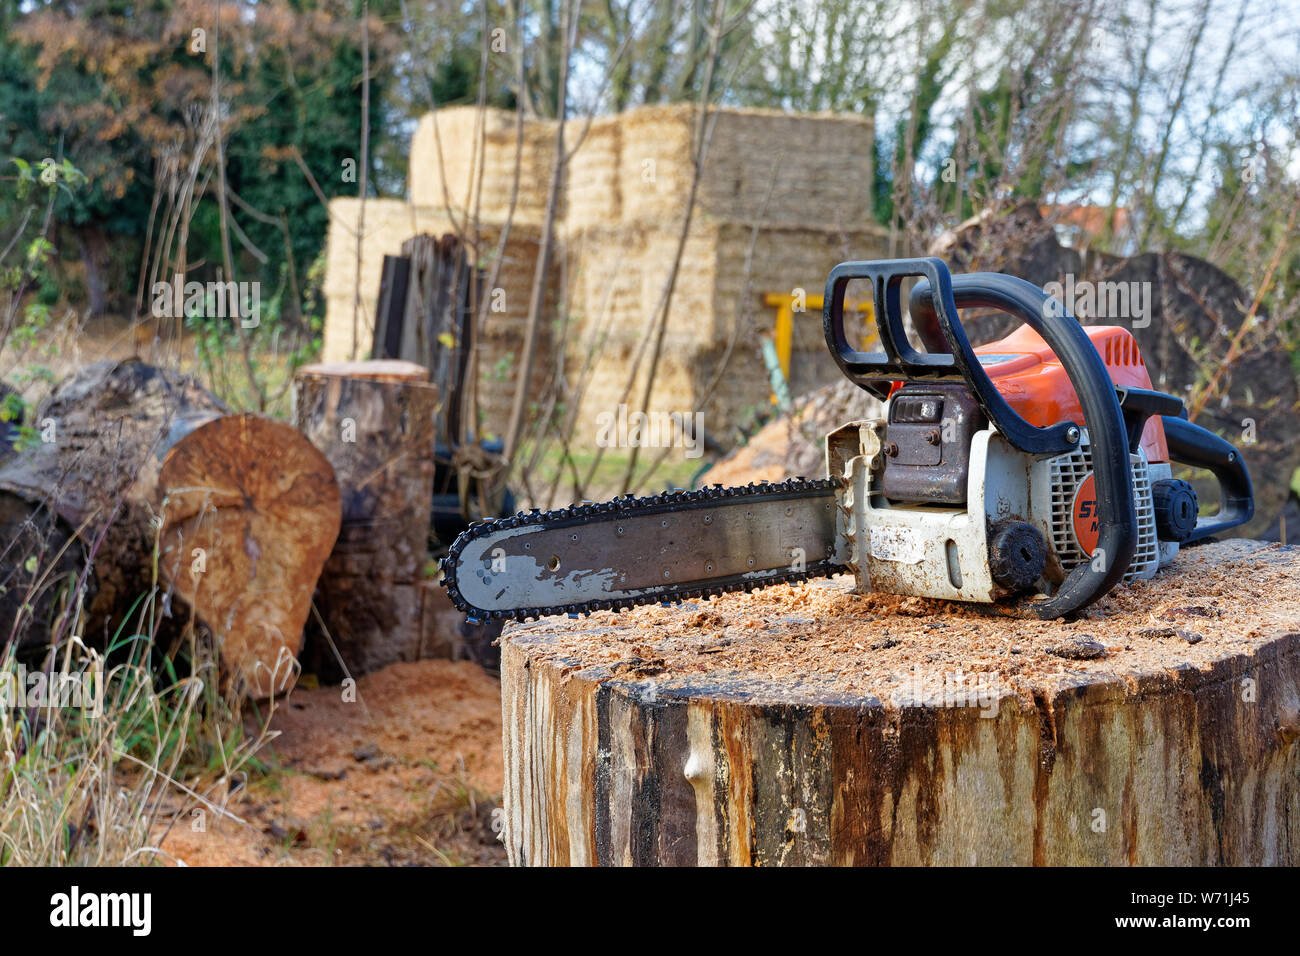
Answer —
(783, 333)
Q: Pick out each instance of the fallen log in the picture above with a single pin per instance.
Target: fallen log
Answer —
(374, 421)
(40, 561)
(136, 461)
(250, 511)
(811, 725)
(84, 488)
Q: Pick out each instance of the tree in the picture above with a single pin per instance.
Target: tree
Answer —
(121, 89)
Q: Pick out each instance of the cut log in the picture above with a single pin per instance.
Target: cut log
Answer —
(137, 461)
(811, 725)
(374, 421)
(89, 484)
(250, 513)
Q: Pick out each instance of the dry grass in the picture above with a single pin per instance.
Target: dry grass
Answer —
(83, 779)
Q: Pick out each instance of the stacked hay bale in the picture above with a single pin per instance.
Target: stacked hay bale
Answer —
(794, 187)
(787, 258)
(445, 164)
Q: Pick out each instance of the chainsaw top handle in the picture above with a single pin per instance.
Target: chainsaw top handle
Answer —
(933, 305)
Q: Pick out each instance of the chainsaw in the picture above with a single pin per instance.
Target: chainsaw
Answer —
(1031, 475)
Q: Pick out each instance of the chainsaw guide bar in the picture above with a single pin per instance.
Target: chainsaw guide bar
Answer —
(652, 550)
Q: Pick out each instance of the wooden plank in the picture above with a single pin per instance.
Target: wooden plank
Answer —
(390, 316)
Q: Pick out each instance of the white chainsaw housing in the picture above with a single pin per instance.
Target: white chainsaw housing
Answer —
(942, 551)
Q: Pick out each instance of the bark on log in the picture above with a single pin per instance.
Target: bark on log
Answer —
(140, 458)
(809, 725)
(374, 421)
(40, 561)
(89, 485)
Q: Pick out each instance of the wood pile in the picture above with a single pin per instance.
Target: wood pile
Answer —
(390, 224)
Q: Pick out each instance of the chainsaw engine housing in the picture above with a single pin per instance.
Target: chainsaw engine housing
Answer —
(938, 503)
(1038, 510)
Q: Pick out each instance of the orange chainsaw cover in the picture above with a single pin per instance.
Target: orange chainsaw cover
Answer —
(1032, 380)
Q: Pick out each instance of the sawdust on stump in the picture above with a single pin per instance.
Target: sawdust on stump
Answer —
(808, 724)
(820, 638)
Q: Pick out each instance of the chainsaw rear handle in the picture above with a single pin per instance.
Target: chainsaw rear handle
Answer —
(1199, 447)
(933, 305)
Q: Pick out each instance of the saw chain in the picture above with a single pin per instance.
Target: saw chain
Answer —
(631, 551)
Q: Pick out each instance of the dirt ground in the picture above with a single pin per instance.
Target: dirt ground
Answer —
(408, 774)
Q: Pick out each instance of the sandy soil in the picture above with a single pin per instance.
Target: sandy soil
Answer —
(409, 773)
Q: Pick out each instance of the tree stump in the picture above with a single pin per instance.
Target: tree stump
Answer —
(810, 725)
(136, 461)
(374, 421)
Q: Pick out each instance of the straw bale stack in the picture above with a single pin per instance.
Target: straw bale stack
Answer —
(448, 177)
(796, 186)
(798, 170)
(802, 183)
